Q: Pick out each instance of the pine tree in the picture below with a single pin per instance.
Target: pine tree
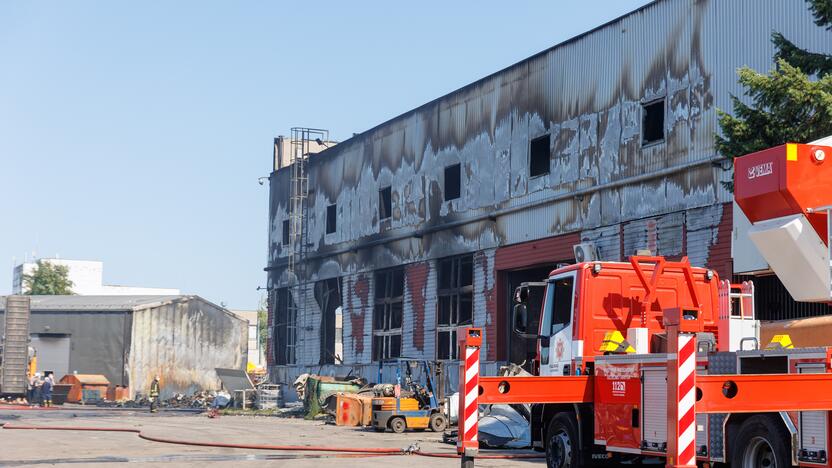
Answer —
(792, 103)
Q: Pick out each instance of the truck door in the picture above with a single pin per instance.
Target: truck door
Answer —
(556, 325)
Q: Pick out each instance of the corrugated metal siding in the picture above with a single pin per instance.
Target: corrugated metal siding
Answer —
(183, 342)
(541, 252)
(608, 241)
(485, 297)
(415, 313)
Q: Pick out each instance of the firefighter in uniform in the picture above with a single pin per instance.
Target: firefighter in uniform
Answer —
(154, 395)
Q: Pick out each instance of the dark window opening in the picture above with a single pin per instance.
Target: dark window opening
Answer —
(456, 302)
(286, 232)
(385, 203)
(328, 296)
(539, 156)
(652, 124)
(388, 314)
(284, 322)
(453, 182)
(331, 223)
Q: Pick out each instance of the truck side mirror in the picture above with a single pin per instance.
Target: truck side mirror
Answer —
(521, 318)
(521, 294)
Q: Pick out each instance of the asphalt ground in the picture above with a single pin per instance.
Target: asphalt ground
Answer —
(101, 449)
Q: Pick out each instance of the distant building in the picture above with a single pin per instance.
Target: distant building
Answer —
(87, 278)
(131, 339)
(255, 353)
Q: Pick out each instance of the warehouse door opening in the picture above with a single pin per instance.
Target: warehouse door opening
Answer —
(53, 353)
(523, 350)
(328, 296)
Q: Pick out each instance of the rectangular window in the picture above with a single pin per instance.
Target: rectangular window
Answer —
(387, 314)
(539, 156)
(652, 123)
(385, 203)
(455, 292)
(285, 326)
(453, 182)
(285, 232)
(331, 222)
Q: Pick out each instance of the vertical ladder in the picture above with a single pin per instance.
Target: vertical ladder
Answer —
(301, 143)
(16, 345)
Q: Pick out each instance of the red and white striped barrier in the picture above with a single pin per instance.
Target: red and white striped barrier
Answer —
(686, 400)
(470, 341)
(681, 327)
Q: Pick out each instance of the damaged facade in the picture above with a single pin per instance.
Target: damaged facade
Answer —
(428, 221)
(131, 339)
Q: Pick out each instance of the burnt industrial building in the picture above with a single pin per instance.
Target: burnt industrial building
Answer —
(429, 220)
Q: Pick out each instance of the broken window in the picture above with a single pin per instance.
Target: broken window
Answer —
(456, 302)
(652, 123)
(328, 296)
(387, 314)
(284, 322)
(385, 203)
(539, 156)
(286, 232)
(331, 224)
(453, 182)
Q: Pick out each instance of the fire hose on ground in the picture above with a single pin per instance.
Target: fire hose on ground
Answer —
(336, 452)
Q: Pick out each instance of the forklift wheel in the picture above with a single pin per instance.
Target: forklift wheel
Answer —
(438, 422)
(397, 425)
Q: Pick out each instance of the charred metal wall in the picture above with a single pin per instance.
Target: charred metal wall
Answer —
(183, 341)
(99, 339)
(602, 185)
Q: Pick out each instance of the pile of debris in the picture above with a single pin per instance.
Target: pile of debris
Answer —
(199, 399)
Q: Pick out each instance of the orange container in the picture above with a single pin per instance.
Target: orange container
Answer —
(81, 382)
(118, 393)
(353, 410)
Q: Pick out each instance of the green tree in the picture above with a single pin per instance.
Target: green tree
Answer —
(791, 103)
(48, 279)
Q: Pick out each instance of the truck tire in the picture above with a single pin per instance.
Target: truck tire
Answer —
(437, 422)
(397, 424)
(761, 442)
(562, 449)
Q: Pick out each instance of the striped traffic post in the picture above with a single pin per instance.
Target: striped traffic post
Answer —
(470, 341)
(681, 326)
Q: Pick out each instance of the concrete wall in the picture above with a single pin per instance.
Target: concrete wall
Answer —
(183, 341)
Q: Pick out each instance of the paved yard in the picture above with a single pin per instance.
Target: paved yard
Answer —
(26, 447)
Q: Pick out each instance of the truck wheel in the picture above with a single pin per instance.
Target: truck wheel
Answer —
(397, 424)
(562, 443)
(761, 442)
(437, 422)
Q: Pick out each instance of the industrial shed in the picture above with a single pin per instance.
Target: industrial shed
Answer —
(429, 220)
(130, 339)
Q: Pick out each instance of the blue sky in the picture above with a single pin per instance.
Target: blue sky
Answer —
(134, 132)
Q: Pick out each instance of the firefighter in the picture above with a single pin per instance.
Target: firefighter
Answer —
(154, 395)
(46, 391)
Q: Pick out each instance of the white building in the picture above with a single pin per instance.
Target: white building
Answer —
(255, 354)
(87, 278)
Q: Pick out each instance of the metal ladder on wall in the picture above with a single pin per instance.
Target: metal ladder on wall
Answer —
(301, 141)
(15, 356)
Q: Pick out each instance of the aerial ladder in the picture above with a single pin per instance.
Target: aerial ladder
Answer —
(658, 360)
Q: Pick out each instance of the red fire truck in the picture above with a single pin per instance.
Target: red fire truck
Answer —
(656, 360)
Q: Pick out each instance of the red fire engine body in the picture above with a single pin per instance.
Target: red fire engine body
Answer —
(691, 383)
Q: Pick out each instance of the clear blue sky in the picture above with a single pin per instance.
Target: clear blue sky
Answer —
(134, 132)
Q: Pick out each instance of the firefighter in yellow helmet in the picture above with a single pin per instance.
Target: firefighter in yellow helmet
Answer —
(154, 395)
